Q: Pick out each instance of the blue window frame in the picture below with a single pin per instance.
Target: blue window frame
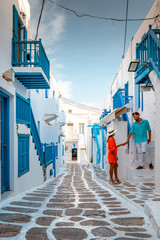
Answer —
(46, 93)
(23, 154)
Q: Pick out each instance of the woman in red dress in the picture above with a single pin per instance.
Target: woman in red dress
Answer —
(112, 156)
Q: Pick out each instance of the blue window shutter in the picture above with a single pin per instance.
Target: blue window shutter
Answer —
(15, 23)
(15, 35)
(23, 154)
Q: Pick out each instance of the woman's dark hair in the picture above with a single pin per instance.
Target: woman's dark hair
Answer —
(109, 137)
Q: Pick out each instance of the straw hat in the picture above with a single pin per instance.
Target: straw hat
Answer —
(111, 132)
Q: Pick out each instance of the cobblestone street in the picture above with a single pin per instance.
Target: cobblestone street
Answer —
(74, 206)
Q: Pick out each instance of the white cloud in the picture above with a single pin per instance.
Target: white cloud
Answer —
(65, 88)
(52, 23)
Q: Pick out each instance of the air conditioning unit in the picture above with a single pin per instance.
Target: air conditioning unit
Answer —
(9, 75)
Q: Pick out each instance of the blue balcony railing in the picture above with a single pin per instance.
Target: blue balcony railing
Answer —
(148, 53)
(48, 154)
(30, 54)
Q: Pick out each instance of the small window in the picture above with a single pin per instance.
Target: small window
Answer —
(69, 124)
(23, 154)
(53, 93)
(81, 128)
(70, 111)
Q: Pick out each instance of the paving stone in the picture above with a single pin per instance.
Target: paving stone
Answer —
(37, 234)
(36, 199)
(140, 235)
(73, 211)
(64, 224)
(113, 206)
(149, 184)
(61, 200)
(76, 219)
(58, 205)
(109, 199)
(55, 213)
(37, 195)
(88, 200)
(130, 196)
(45, 221)
(138, 201)
(8, 230)
(114, 203)
(16, 218)
(94, 213)
(86, 196)
(119, 213)
(69, 234)
(118, 209)
(64, 196)
(103, 232)
(130, 229)
(20, 210)
(94, 223)
(105, 195)
(124, 192)
(26, 204)
(156, 199)
(126, 238)
(131, 221)
(89, 205)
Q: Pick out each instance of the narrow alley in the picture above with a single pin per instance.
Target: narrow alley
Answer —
(75, 205)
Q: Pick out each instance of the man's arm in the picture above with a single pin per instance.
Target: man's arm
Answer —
(129, 136)
(149, 135)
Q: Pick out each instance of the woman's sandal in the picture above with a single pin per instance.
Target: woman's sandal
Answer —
(118, 181)
(111, 181)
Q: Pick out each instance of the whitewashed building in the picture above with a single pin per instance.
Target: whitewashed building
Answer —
(137, 92)
(31, 111)
(79, 121)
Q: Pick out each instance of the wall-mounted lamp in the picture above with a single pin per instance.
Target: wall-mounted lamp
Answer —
(134, 65)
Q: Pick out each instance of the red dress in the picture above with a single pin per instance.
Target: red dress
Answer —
(112, 147)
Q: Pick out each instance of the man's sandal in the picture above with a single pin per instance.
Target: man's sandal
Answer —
(140, 167)
(150, 166)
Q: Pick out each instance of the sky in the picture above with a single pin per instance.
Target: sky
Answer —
(85, 53)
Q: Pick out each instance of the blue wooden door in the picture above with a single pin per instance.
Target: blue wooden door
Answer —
(4, 138)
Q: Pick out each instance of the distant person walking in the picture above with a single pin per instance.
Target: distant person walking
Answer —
(112, 157)
(140, 128)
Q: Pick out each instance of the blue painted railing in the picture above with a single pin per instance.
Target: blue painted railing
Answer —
(48, 154)
(103, 147)
(148, 51)
(96, 132)
(22, 110)
(30, 53)
(36, 138)
(54, 160)
(120, 98)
